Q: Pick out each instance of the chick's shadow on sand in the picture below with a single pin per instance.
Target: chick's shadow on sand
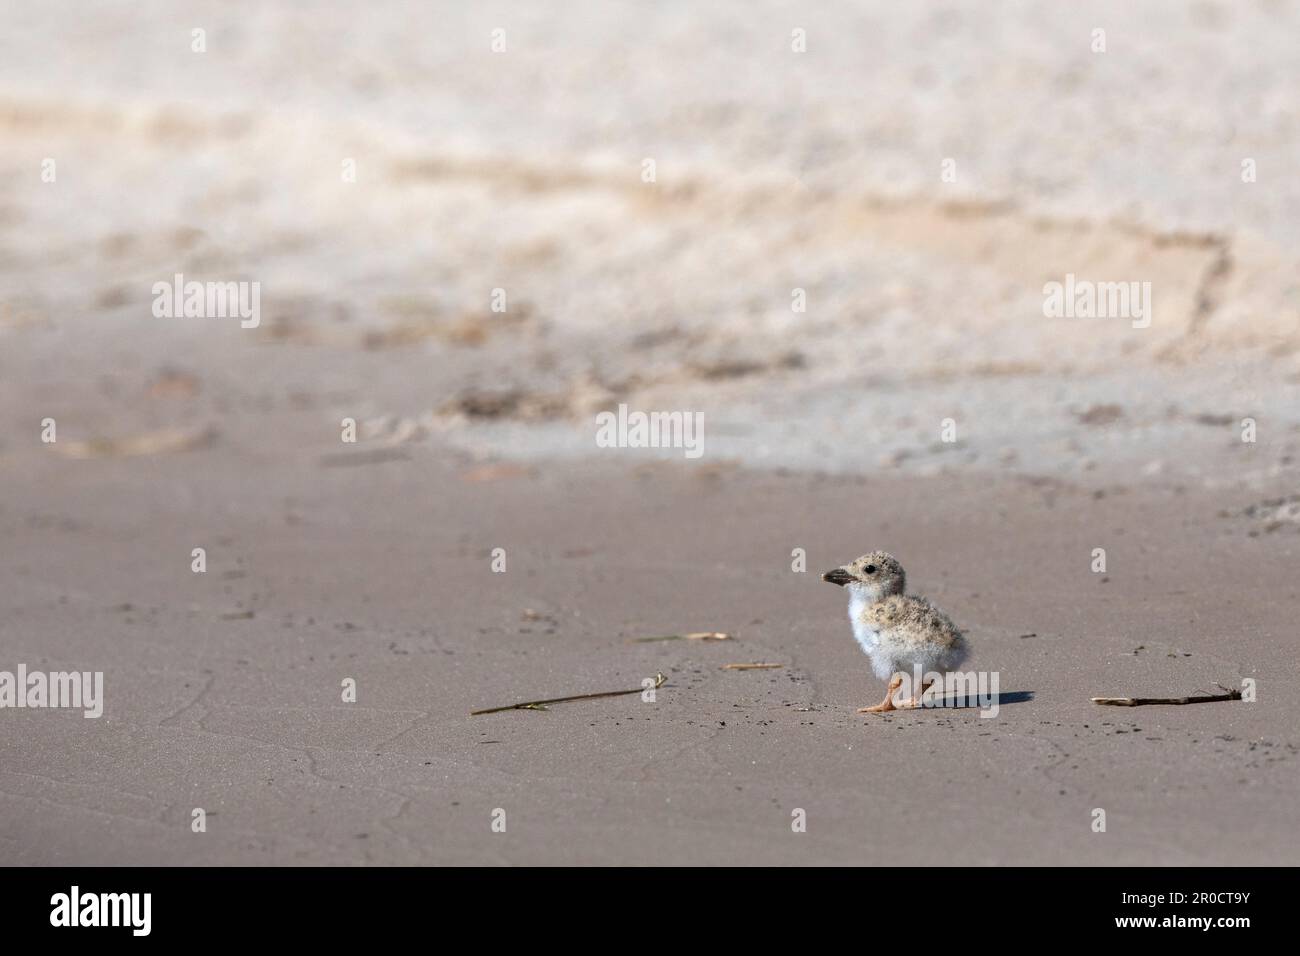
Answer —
(964, 702)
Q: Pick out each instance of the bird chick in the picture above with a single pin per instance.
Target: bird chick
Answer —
(899, 633)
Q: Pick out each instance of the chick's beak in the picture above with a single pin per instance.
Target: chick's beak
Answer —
(838, 576)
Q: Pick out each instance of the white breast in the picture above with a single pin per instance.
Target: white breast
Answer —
(863, 633)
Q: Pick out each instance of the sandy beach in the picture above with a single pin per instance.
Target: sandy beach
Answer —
(223, 689)
(921, 402)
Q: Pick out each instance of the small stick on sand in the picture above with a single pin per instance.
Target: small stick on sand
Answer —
(750, 667)
(1193, 699)
(147, 443)
(541, 704)
(693, 636)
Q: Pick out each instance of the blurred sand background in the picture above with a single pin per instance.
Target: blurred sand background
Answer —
(521, 170)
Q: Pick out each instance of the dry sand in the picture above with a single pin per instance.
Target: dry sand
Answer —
(522, 171)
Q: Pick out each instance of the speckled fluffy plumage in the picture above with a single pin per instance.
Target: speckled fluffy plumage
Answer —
(900, 633)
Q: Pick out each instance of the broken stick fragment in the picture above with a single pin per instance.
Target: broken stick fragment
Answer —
(157, 442)
(692, 636)
(756, 666)
(1191, 699)
(542, 704)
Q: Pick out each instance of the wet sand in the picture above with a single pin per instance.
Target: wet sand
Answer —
(381, 573)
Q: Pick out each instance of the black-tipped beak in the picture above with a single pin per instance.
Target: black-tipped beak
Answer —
(838, 576)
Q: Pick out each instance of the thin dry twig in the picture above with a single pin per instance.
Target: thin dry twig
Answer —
(757, 666)
(147, 443)
(692, 636)
(542, 704)
(1227, 694)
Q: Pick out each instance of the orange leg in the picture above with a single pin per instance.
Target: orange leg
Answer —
(888, 703)
(913, 703)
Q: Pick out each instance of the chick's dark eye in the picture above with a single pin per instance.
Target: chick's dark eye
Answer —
(870, 569)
